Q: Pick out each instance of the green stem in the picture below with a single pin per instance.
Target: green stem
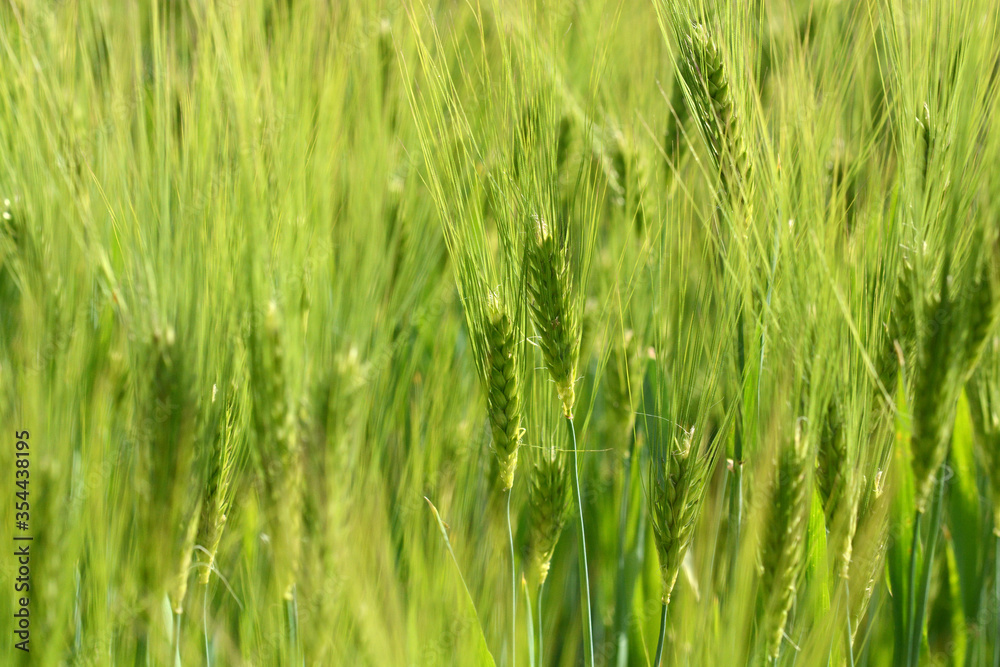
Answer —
(292, 609)
(177, 639)
(583, 546)
(204, 618)
(850, 632)
(736, 492)
(622, 602)
(925, 584)
(996, 603)
(530, 625)
(541, 647)
(663, 633)
(911, 589)
(865, 644)
(513, 586)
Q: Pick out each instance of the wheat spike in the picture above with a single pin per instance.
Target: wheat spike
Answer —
(218, 496)
(704, 73)
(935, 392)
(172, 491)
(838, 489)
(178, 590)
(548, 506)
(782, 549)
(504, 390)
(552, 310)
(677, 482)
(869, 543)
(277, 438)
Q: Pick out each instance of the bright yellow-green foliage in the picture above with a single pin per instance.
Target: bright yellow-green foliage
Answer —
(290, 290)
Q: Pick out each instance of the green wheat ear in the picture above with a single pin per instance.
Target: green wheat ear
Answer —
(552, 309)
(548, 506)
(171, 492)
(869, 544)
(504, 391)
(278, 440)
(704, 73)
(178, 589)
(838, 488)
(935, 390)
(677, 482)
(782, 548)
(218, 495)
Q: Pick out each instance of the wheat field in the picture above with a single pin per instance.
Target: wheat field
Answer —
(539, 333)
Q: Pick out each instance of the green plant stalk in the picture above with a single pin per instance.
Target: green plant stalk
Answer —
(911, 589)
(996, 599)
(865, 644)
(850, 632)
(916, 635)
(623, 599)
(736, 489)
(513, 586)
(292, 610)
(663, 633)
(585, 574)
(177, 639)
(541, 646)
(204, 618)
(530, 624)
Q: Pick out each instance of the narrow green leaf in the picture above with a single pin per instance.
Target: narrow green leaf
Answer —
(484, 651)
(964, 513)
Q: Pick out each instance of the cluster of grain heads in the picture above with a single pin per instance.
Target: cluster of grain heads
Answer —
(553, 309)
(276, 429)
(503, 394)
(782, 548)
(953, 315)
(555, 315)
(706, 80)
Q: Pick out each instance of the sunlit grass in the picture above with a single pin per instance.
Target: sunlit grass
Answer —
(281, 283)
